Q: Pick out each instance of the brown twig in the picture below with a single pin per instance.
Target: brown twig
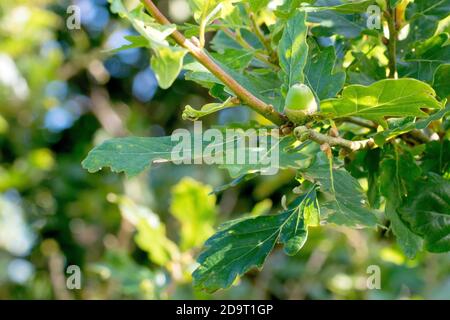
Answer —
(265, 41)
(200, 55)
(303, 133)
(105, 113)
(392, 42)
(361, 122)
(419, 136)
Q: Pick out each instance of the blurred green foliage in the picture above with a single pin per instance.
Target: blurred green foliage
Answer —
(138, 238)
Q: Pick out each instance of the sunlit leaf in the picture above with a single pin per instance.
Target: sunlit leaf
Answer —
(151, 232)
(385, 98)
(320, 75)
(256, 5)
(293, 51)
(400, 126)
(167, 63)
(167, 60)
(190, 113)
(193, 206)
(134, 42)
(339, 6)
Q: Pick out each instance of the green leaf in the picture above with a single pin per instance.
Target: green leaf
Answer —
(256, 5)
(233, 183)
(427, 212)
(151, 233)
(243, 244)
(397, 173)
(147, 27)
(167, 60)
(339, 7)
(293, 51)
(385, 98)
(194, 207)
(268, 86)
(345, 199)
(393, 3)
(397, 127)
(441, 81)
(261, 208)
(151, 237)
(118, 7)
(372, 165)
(222, 41)
(126, 273)
(329, 22)
(319, 73)
(287, 9)
(424, 17)
(436, 157)
(198, 73)
(264, 86)
(206, 11)
(167, 64)
(131, 155)
(284, 153)
(192, 114)
(365, 70)
(234, 58)
(423, 60)
(135, 42)
(235, 250)
(202, 9)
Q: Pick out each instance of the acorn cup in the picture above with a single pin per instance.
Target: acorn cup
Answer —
(300, 103)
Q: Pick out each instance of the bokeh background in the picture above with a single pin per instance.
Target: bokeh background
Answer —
(61, 94)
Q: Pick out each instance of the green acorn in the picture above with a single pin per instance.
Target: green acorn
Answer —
(300, 102)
